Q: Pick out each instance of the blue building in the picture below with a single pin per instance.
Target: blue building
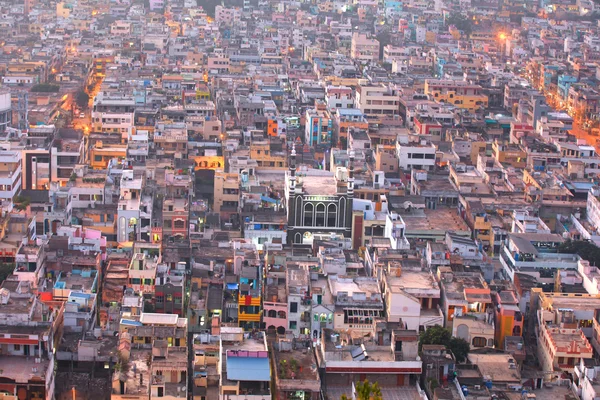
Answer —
(564, 83)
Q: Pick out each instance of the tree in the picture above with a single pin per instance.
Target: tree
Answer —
(45, 88)
(461, 23)
(440, 335)
(21, 202)
(366, 391)
(82, 99)
(586, 250)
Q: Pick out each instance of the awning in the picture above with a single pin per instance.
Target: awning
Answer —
(269, 200)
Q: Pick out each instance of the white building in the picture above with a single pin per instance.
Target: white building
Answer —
(416, 155)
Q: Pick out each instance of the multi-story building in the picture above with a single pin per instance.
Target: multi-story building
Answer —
(134, 210)
(465, 293)
(67, 151)
(294, 374)
(113, 114)
(391, 359)
(358, 302)
(226, 194)
(142, 274)
(30, 330)
(459, 93)
(175, 215)
(275, 302)
(10, 174)
(420, 156)
(412, 295)
(364, 48)
(315, 204)
(299, 301)
(249, 297)
(377, 101)
(245, 365)
(339, 97)
(346, 119)
(171, 141)
(169, 290)
(318, 126)
(562, 344)
(509, 319)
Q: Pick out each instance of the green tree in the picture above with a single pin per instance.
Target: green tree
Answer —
(586, 250)
(82, 99)
(440, 335)
(5, 270)
(21, 202)
(366, 391)
(45, 88)
(461, 22)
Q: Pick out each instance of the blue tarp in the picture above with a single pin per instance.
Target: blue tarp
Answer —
(269, 200)
(232, 286)
(248, 369)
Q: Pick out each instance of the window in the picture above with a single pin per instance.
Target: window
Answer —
(84, 197)
(167, 223)
(320, 215)
(17, 347)
(293, 307)
(159, 299)
(179, 224)
(331, 215)
(293, 324)
(97, 158)
(308, 214)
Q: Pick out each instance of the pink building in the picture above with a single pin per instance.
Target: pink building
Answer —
(275, 306)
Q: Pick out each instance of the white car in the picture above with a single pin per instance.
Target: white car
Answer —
(82, 115)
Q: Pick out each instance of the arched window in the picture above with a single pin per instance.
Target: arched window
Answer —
(178, 224)
(298, 238)
(308, 214)
(331, 215)
(320, 215)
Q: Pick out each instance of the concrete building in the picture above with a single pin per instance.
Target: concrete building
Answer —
(364, 48)
(412, 295)
(377, 101)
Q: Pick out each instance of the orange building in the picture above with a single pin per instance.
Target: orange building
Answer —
(509, 320)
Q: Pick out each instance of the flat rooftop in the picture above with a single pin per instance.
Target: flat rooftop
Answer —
(440, 219)
(496, 366)
(573, 302)
(23, 369)
(411, 281)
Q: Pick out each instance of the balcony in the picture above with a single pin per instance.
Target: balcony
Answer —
(249, 317)
(244, 300)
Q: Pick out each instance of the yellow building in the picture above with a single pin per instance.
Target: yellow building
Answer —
(511, 154)
(226, 193)
(458, 93)
(62, 10)
(101, 155)
(483, 230)
(268, 155)
(208, 162)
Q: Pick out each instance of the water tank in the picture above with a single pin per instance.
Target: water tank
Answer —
(465, 390)
(516, 256)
